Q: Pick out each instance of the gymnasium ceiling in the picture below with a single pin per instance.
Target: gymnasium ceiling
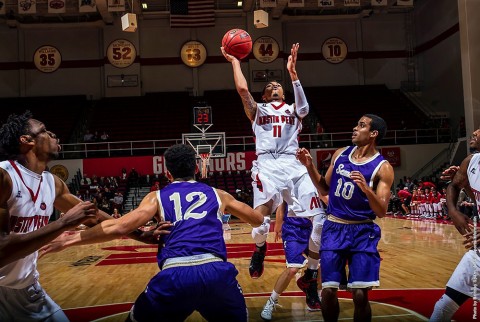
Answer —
(161, 8)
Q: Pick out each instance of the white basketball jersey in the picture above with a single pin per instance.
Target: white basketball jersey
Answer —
(276, 128)
(473, 173)
(30, 206)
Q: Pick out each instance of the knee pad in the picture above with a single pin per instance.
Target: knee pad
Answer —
(444, 309)
(260, 234)
(314, 241)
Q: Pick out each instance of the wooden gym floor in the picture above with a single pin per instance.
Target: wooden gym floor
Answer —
(99, 282)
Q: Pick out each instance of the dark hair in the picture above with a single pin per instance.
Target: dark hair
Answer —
(377, 124)
(10, 132)
(180, 161)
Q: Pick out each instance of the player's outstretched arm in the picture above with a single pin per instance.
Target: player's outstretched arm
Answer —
(449, 173)
(459, 181)
(16, 246)
(292, 62)
(240, 209)
(318, 180)
(249, 104)
(109, 229)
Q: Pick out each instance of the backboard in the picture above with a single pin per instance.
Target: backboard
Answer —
(213, 143)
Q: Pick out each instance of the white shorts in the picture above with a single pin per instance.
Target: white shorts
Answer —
(29, 304)
(462, 278)
(284, 178)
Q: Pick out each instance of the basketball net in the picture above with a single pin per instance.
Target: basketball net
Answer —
(204, 162)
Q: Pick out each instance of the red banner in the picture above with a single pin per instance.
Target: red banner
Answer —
(156, 164)
(392, 155)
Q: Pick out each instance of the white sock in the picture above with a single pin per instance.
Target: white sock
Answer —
(444, 309)
(274, 297)
(312, 263)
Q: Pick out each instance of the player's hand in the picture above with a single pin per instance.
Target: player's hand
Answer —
(292, 59)
(278, 232)
(304, 157)
(228, 57)
(58, 243)
(469, 241)
(80, 213)
(449, 173)
(462, 222)
(359, 179)
(152, 236)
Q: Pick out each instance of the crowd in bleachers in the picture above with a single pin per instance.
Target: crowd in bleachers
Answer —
(425, 199)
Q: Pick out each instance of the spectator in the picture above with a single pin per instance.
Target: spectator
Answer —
(116, 214)
(118, 201)
(124, 174)
(104, 137)
(86, 180)
(88, 137)
(155, 187)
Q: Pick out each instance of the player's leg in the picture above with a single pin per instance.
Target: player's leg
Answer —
(308, 283)
(294, 244)
(222, 299)
(364, 267)
(362, 311)
(333, 268)
(259, 235)
(29, 304)
(168, 295)
(265, 199)
(459, 288)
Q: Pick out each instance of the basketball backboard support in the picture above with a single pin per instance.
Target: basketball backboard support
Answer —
(213, 143)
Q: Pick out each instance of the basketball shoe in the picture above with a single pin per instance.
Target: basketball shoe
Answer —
(268, 309)
(256, 263)
(308, 284)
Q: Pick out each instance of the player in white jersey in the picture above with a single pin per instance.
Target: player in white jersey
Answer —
(28, 194)
(277, 174)
(464, 282)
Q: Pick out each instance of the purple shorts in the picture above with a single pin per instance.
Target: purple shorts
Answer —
(211, 289)
(354, 245)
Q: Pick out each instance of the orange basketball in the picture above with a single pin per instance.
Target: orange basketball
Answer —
(238, 43)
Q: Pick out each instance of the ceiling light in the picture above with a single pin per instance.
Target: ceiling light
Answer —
(144, 5)
(239, 3)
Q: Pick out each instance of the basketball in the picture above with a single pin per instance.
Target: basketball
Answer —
(238, 43)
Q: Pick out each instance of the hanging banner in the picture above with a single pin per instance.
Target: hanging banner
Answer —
(268, 3)
(296, 3)
(351, 3)
(376, 3)
(87, 6)
(56, 6)
(326, 3)
(116, 5)
(392, 155)
(27, 7)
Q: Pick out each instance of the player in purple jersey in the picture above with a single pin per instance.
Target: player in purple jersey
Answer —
(358, 183)
(464, 282)
(195, 274)
(277, 175)
(294, 232)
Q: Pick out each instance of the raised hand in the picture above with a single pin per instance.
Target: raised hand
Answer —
(449, 173)
(81, 212)
(292, 59)
(58, 243)
(228, 57)
(304, 157)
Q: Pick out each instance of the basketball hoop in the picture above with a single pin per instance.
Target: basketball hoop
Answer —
(204, 162)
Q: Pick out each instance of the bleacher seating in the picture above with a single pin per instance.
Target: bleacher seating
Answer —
(59, 113)
(151, 117)
(340, 107)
